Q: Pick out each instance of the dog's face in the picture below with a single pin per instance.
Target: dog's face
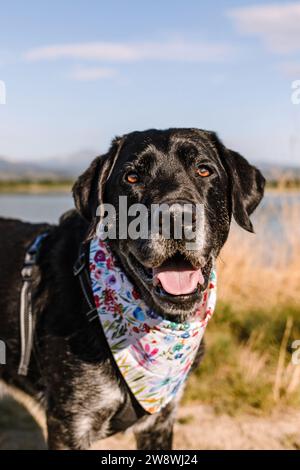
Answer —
(185, 167)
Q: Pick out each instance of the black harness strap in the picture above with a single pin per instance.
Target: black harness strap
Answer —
(81, 270)
(27, 314)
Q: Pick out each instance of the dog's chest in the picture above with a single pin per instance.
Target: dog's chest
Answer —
(102, 403)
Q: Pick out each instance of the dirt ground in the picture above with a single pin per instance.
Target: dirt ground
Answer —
(198, 427)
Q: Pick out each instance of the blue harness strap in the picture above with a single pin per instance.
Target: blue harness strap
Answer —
(27, 317)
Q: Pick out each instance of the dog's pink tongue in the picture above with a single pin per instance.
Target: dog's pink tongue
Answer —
(178, 281)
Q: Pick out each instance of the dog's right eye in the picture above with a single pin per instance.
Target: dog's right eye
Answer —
(132, 177)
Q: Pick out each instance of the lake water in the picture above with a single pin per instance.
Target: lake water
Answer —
(35, 207)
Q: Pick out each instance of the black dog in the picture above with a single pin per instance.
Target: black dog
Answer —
(72, 373)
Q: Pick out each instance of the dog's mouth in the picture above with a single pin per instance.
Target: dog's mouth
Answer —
(175, 280)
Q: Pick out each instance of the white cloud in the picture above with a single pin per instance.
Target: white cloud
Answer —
(277, 25)
(93, 73)
(175, 50)
(88, 51)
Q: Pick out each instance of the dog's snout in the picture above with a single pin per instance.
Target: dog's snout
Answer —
(184, 211)
(180, 213)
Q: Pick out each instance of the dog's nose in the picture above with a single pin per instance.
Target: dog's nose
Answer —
(183, 210)
(181, 215)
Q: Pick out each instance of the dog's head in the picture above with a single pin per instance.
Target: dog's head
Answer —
(185, 167)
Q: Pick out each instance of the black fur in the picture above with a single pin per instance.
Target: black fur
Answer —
(72, 372)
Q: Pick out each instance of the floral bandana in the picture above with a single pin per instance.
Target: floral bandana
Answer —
(154, 355)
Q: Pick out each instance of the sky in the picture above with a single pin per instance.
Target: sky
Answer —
(77, 73)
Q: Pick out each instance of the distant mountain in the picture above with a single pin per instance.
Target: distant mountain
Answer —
(275, 171)
(72, 164)
(13, 170)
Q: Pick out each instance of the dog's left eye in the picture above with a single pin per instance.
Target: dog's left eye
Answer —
(132, 177)
(203, 171)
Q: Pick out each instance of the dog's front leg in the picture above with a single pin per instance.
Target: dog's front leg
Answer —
(59, 436)
(155, 432)
(78, 430)
(79, 421)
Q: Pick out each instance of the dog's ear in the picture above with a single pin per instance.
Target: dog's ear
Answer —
(247, 187)
(89, 188)
(246, 183)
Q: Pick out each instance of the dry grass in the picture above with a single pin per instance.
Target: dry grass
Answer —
(263, 270)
